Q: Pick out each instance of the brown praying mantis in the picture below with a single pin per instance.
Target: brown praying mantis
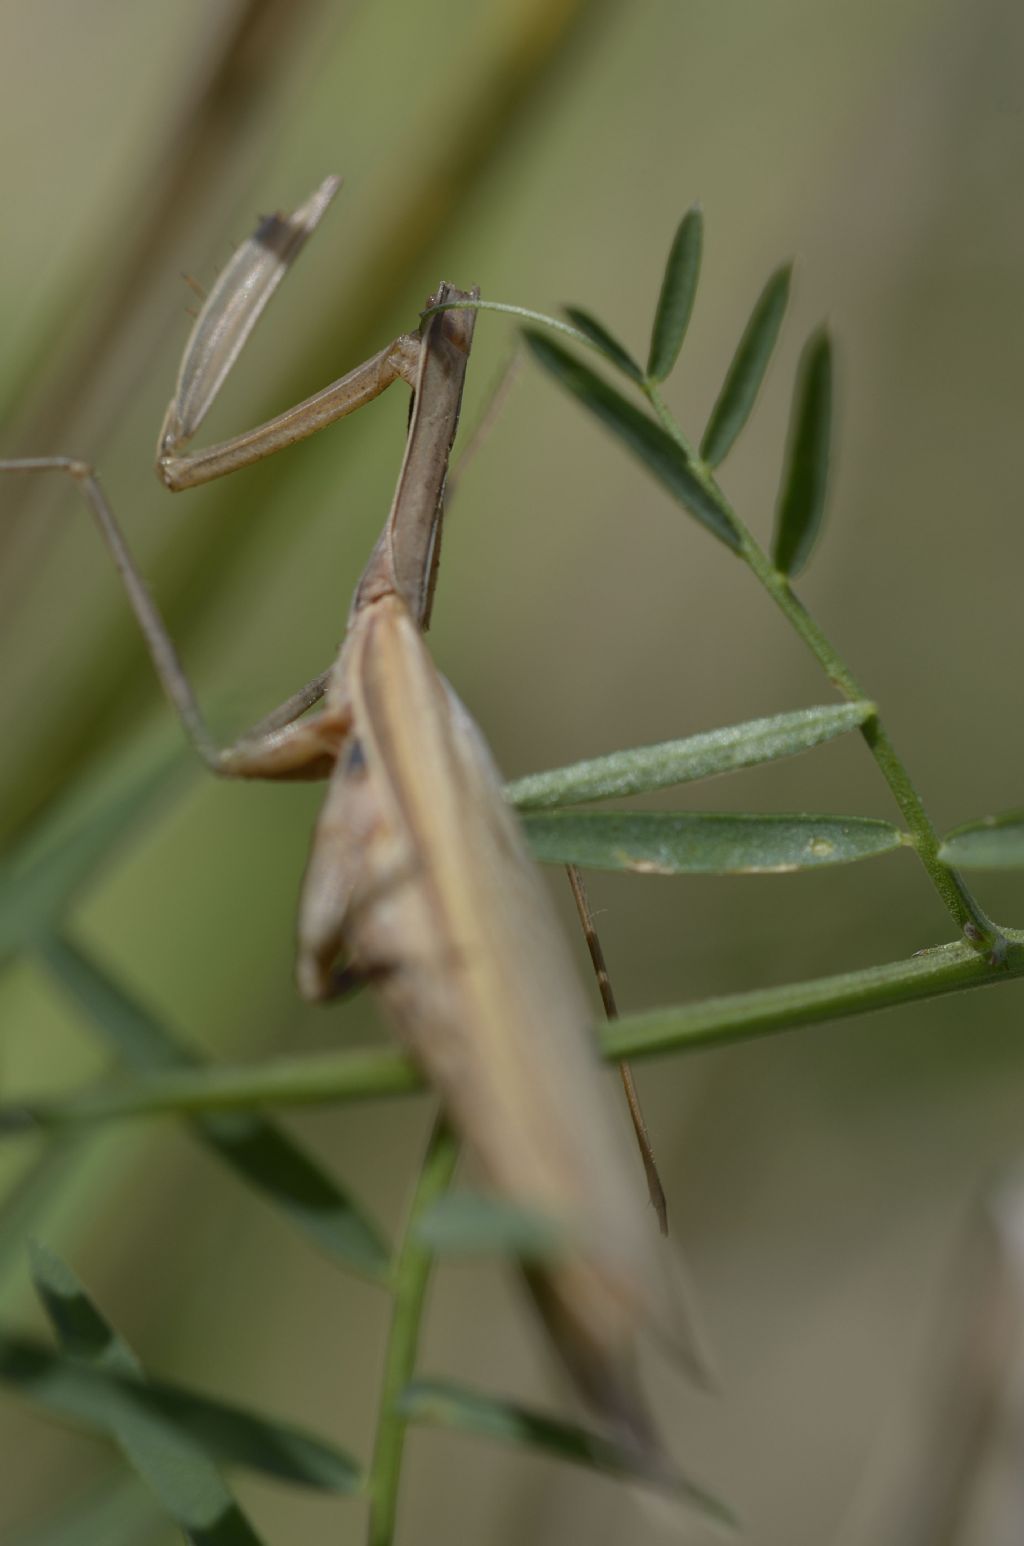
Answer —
(418, 879)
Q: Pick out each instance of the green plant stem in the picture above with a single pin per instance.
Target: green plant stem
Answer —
(970, 917)
(673, 428)
(967, 912)
(411, 1276)
(735, 1017)
(524, 313)
(334, 1077)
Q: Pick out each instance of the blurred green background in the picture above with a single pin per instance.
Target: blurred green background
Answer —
(544, 151)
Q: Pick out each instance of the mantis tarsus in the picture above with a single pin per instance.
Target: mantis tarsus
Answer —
(418, 877)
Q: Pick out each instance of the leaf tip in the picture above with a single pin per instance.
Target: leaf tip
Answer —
(45, 1268)
(678, 291)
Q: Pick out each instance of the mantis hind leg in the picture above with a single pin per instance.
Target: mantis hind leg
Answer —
(282, 745)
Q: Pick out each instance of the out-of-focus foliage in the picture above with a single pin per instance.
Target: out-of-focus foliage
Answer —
(544, 152)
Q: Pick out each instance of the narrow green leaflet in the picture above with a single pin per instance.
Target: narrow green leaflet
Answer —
(169, 1460)
(604, 341)
(993, 843)
(801, 506)
(445, 1404)
(186, 1485)
(99, 1401)
(645, 438)
(469, 1224)
(262, 1154)
(685, 843)
(644, 768)
(747, 370)
(40, 879)
(678, 290)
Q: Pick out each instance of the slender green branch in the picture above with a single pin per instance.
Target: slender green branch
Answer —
(948, 883)
(412, 1274)
(331, 1078)
(967, 912)
(315, 1079)
(734, 1017)
(671, 426)
(523, 312)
